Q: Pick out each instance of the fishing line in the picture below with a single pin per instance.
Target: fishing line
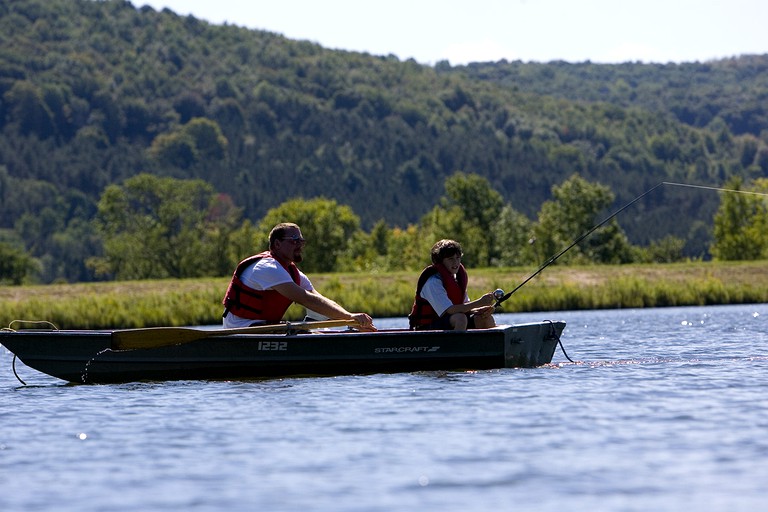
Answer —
(716, 188)
(591, 230)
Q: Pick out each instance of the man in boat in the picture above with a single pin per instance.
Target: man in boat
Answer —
(441, 301)
(263, 286)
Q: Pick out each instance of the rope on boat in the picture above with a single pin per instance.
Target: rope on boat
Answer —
(13, 365)
(554, 334)
(51, 325)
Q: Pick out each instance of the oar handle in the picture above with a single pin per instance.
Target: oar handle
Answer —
(156, 337)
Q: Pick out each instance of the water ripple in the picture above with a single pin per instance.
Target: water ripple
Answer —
(662, 410)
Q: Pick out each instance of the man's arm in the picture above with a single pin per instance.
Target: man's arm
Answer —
(315, 301)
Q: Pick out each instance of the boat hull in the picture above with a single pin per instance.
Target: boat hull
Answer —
(86, 356)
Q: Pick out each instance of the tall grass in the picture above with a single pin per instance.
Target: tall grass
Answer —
(198, 301)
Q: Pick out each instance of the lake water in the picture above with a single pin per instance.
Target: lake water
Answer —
(663, 410)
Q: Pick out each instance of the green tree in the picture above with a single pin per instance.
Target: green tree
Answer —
(408, 249)
(27, 107)
(70, 249)
(741, 223)
(367, 251)
(327, 226)
(480, 206)
(174, 149)
(514, 238)
(573, 212)
(380, 237)
(230, 240)
(200, 139)
(453, 223)
(667, 250)
(15, 264)
(156, 228)
(209, 142)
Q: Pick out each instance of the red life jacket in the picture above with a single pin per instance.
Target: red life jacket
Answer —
(245, 302)
(422, 312)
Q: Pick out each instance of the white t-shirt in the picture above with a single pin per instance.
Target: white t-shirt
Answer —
(434, 292)
(265, 274)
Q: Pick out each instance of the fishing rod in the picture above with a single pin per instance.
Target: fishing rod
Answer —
(500, 297)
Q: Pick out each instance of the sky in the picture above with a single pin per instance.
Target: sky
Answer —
(429, 31)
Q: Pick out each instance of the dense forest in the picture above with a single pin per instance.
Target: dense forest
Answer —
(95, 93)
(730, 92)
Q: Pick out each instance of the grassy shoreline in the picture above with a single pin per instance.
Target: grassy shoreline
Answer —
(130, 304)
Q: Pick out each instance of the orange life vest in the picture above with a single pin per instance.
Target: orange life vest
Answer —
(422, 312)
(245, 302)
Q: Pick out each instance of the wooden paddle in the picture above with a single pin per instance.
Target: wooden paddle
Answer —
(154, 337)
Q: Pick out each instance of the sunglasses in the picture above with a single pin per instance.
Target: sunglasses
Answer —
(296, 240)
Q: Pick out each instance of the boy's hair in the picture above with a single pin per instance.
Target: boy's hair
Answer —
(445, 249)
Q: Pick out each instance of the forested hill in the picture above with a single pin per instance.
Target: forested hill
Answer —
(92, 93)
(729, 92)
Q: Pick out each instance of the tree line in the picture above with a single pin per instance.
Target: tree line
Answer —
(95, 94)
(154, 228)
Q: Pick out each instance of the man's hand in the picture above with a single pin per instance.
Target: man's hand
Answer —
(364, 321)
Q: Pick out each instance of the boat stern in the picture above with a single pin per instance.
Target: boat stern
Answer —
(531, 345)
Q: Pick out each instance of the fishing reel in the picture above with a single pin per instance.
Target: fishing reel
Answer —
(498, 294)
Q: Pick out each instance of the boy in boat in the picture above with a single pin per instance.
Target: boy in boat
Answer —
(441, 301)
(263, 286)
